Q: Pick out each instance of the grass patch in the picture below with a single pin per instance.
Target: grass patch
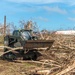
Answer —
(28, 65)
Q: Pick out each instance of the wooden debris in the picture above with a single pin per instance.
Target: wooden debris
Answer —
(67, 69)
(11, 49)
(43, 72)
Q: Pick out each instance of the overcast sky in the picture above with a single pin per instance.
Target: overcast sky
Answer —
(49, 14)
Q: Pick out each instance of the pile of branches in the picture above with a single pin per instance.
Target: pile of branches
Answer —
(60, 59)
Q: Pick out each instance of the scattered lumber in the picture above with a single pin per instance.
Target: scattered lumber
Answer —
(14, 49)
(38, 62)
(72, 48)
(67, 69)
(11, 49)
(43, 72)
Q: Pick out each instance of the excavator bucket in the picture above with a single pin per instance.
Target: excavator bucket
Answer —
(38, 44)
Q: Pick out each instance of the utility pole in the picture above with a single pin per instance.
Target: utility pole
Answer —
(4, 25)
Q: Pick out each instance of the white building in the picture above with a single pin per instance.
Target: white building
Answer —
(66, 32)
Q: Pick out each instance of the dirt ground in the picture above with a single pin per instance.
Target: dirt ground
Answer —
(15, 68)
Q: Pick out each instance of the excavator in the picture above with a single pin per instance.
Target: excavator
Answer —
(28, 43)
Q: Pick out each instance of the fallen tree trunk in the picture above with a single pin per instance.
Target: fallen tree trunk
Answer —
(18, 48)
(72, 48)
(5, 47)
(2, 47)
(67, 69)
(46, 71)
(11, 49)
(43, 72)
(38, 62)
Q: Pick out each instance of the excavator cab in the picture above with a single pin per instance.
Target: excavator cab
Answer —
(24, 34)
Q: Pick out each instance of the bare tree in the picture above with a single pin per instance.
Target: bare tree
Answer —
(10, 28)
(29, 25)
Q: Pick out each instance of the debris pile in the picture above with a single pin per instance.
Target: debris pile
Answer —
(60, 59)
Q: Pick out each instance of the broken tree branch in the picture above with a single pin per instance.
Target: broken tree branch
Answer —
(67, 69)
(11, 49)
(72, 48)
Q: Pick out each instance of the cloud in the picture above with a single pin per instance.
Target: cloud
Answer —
(35, 1)
(71, 19)
(15, 8)
(69, 2)
(55, 9)
(41, 19)
(73, 11)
